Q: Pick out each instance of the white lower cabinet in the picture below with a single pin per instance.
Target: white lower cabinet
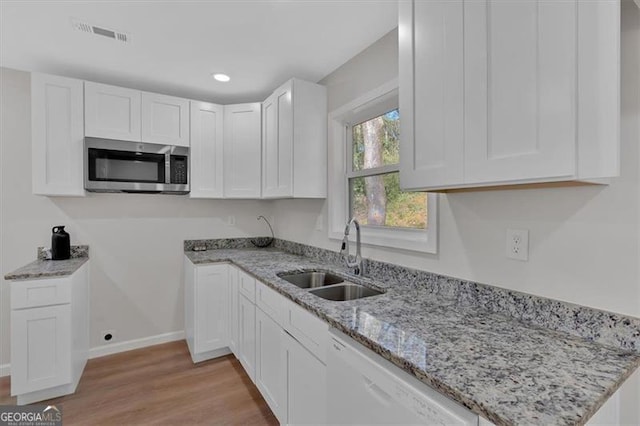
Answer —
(206, 310)
(227, 309)
(271, 373)
(39, 367)
(306, 385)
(49, 336)
(233, 310)
(247, 336)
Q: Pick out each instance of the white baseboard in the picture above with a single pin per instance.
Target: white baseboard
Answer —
(114, 348)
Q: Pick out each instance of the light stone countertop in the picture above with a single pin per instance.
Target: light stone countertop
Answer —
(47, 269)
(501, 368)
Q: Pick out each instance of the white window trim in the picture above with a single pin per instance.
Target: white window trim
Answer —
(383, 98)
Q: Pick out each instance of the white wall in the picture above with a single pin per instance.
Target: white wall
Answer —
(584, 242)
(135, 240)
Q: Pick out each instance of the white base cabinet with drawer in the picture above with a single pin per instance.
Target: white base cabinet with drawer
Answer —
(290, 368)
(281, 347)
(49, 335)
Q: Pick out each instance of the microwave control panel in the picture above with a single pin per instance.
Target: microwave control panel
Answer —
(179, 169)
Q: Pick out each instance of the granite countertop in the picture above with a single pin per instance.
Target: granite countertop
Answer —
(43, 267)
(47, 269)
(501, 368)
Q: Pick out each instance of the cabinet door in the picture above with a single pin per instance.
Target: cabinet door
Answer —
(57, 132)
(233, 310)
(431, 93)
(271, 377)
(111, 112)
(277, 152)
(247, 335)
(40, 348)
(206, 150)
(306, 385)
(242, 150)
(165, 119)
(211, 302)
(520, 90)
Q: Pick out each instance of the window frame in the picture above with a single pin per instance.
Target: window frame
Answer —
(372, 104)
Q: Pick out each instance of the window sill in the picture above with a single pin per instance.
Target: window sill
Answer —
(405, 239)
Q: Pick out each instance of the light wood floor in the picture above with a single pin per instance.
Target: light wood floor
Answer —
(160, 385)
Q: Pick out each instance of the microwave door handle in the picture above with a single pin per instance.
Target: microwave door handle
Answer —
(167, 167)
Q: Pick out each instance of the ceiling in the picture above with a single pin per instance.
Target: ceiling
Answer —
(176, 45)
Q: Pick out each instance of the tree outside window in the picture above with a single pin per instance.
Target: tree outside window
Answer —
(374, 184)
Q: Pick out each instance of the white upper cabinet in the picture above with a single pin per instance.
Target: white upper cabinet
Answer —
(431, 93)
(206, 153)
(112, 112)
(242, 150)
(520, 90)
(500, 93)
(57, 131)
(165, 119)
(277, 140)
(294, 135)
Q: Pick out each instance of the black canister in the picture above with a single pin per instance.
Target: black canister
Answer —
(60, 244)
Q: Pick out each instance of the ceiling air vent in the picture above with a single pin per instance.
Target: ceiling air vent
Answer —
(101, 31)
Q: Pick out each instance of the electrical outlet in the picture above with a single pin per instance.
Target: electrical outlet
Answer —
(108, 336)
(319, 223)
(231, 220)
(518, 244)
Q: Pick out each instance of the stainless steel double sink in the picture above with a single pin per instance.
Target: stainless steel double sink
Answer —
(329, 286)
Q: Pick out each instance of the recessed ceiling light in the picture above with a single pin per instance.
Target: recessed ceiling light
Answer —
(221, 77)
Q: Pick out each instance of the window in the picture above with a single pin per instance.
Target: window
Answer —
(375, 197)
(364, 181)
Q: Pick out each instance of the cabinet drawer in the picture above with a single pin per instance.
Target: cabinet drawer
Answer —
(306, 328)
(247, 286)
(31, 294)
(271, 302)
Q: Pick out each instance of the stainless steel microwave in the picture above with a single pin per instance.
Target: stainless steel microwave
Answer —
(122, 166)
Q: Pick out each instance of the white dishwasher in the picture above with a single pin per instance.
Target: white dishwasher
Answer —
(364, 388)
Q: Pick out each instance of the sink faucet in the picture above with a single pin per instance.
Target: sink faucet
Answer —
(357, 263)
